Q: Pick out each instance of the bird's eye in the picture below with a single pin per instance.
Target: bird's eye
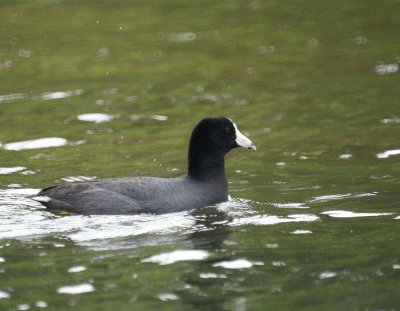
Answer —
(228, 130)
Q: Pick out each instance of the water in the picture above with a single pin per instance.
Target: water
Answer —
(110, 89)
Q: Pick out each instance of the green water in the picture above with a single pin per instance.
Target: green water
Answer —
(313, 222)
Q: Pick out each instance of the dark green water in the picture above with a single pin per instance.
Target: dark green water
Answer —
(313, 222)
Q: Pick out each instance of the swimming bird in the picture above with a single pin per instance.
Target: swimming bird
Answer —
(205, 183)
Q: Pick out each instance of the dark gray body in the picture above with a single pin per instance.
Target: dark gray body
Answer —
(135, 195)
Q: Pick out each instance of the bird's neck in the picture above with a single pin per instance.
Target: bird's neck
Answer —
(205, 165)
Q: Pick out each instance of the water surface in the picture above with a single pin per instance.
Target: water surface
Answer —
(107, 89)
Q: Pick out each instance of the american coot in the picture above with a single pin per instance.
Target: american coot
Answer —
(205, 183)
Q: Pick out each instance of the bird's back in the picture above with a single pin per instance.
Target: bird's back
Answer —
(133, 195)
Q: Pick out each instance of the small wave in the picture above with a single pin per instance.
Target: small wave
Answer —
(10, 170)
(273, 219)
(177, 255)
(290, 205)
(301, 232)
(76, 289)
(61, 94)
(36, 143)
(340, 196)
(388, 153)
(95, 117)
(24, 218)
(349, 214)
(238, 264)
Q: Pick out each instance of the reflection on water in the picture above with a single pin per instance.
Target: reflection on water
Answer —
(237, 264)
(25, 219)
(178, 37)
(36, 143)
(59, 95)
(384, 69)
(388, 153)
(10, 170)
(290, 205)
(44, 96)
(332, 197)
(348, 214)
(11, 97)
(153, 117)
(77, 269)
(95, 117)
(272, 219)
(208, 227)
(76, 289)
(4, 295)
(301, 232)
(390, 120)
(177, 255)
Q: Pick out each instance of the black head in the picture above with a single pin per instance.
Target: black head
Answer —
(219, 135)
(211, 139)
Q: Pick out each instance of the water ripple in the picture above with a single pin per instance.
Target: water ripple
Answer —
(36, 143)
(60, 94)
(24, 218)
(95, 117)
(11, 97)
(76, 289)
(177, 255)
(388, 153)
(349, 214)
(10, 170)
(340, 196)
(237, 264)
(273, 219)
